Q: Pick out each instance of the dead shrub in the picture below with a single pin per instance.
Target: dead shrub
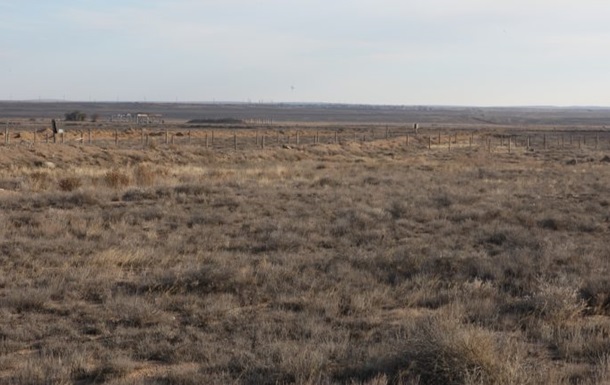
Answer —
(69, 183)
(586, 341)
(135, 195)
(327, 181)
(66, 201)
(442, 200)
(440, 350)
(39, 181)
(155, 347)
(116, 179)
(26, 300)
(108, 368)
(555, 303)
(596, 293)
(443, 351)
(12, 184)
(192, 189)
(209, 278)
(398, 210)
(550, 224)
(133, 311)
(144, 175)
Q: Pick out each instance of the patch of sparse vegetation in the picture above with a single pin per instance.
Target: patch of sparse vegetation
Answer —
(348, 263)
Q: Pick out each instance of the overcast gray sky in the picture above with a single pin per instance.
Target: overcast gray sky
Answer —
(440, 52)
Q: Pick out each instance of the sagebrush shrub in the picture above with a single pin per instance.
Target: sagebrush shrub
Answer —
(39, 181)
(144, 175)
(69, 183)
(116, 179)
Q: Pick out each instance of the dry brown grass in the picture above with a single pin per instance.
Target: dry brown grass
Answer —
(356, 263)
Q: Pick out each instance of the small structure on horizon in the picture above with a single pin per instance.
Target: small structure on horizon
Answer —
(121, 118)
(145, 119)
(139, 118)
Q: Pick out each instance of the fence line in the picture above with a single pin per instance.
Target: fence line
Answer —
(265, 138)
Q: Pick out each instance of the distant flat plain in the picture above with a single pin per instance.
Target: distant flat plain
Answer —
(324, 113)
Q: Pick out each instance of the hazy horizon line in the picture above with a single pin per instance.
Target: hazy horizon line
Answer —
(275, 103)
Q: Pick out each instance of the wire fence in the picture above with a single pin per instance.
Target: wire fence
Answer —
(241, 139)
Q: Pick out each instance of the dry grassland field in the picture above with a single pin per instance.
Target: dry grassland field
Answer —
(364, 261)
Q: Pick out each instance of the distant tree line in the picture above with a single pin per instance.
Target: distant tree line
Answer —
(75, 116)
(79, 116)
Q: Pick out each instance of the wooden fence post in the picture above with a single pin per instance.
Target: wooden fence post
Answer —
(263, 142)
(407, 140)
(82, 138)
(166, 136)
(89, 135)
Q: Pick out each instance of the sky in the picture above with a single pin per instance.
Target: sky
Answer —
(398, 52)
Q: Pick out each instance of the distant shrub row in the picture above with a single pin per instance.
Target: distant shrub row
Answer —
(79, 116)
